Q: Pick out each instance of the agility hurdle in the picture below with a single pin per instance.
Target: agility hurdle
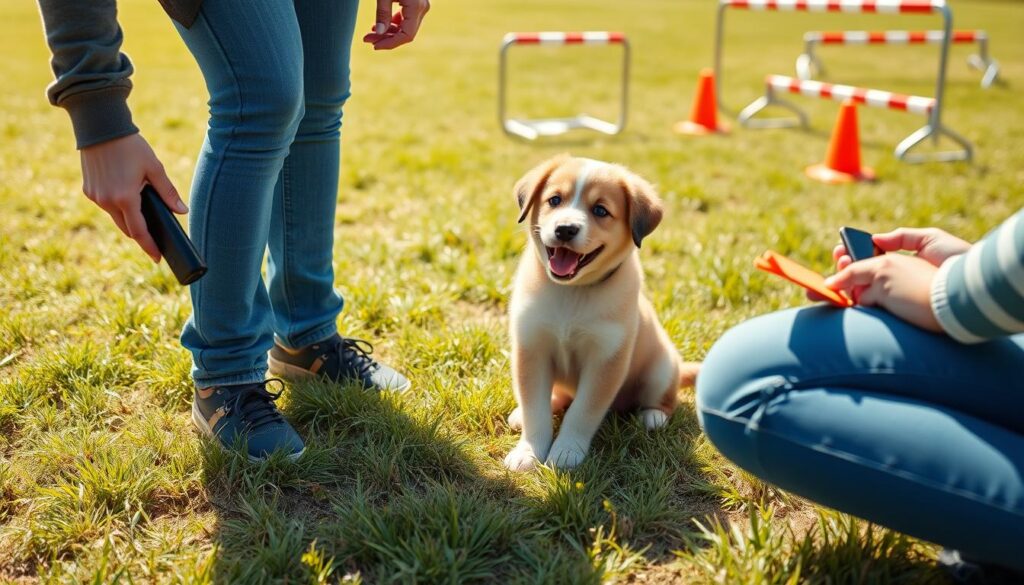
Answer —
(809, 66)
(775, 84)
(933, 128)
(531, 129)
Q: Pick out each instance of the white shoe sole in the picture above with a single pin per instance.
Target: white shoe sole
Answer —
(286, 370)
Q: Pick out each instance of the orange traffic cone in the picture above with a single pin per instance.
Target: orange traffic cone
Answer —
(703, 117)
(842, 163)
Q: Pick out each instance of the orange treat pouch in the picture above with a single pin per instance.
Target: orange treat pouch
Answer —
(779, 265)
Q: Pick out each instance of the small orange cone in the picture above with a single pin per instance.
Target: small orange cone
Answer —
(842, 163)
(703, 117)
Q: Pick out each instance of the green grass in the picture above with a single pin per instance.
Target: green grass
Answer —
(102, 478)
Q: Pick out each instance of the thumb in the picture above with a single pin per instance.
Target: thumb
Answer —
(157, 177)
(383, 16)
(909, 239)
(856, 274)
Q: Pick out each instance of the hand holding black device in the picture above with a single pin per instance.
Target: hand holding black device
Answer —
(858, 243)
(179, 251)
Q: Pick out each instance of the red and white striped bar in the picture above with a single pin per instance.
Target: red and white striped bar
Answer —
(857, 6)
(870, 97)
(891, 37)
(565, 38)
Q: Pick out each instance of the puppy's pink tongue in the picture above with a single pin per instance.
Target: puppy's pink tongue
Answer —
(563, 262)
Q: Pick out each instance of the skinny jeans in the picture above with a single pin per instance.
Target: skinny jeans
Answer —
(862, 412)
(277, 72)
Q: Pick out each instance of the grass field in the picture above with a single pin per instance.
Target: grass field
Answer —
(103, 479)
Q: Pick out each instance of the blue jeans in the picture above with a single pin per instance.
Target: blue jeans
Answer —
(267, 176)
(864, 413)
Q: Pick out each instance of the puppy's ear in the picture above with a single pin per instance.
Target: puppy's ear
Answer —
(645, 207)
(530, 186)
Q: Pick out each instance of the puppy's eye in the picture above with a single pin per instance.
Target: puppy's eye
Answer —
(555, 201)
(601, 211)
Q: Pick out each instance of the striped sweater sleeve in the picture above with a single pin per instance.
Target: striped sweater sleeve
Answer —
(979, 295)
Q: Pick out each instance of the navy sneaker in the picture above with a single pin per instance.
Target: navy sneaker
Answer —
(338, 359)
(246, 412)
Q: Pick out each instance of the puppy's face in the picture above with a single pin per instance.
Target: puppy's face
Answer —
(585, 216)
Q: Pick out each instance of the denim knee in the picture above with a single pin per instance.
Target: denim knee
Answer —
(323, 112)
(263, 118)
(738, 382)
(743, 356)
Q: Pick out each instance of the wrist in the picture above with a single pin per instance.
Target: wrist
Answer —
(99, 116)
(941, 307)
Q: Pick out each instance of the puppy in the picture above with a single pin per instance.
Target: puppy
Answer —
(584, 337)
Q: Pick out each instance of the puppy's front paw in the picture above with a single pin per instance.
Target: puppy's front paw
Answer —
(522, 458)
(565, 454)
(654, 418)
(515, 420)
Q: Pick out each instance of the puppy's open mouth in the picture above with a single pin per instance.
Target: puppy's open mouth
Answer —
(565, 263)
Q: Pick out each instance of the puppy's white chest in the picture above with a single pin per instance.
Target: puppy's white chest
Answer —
(574, 331)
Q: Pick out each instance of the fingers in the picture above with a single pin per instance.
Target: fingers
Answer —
(856, 274)
(374, 37)
(814, 297)
(869, 296)
(157, 177)
(389, 42)
(838, 252)
(412, 14)
(843, 262)
(383, 16)
(118, 218)
(910, 239)
(138, 231)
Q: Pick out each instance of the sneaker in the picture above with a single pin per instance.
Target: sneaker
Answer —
(338, 359)
(246, 412)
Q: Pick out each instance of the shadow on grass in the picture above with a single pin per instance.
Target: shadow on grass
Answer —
(383, 494)
(386, 494)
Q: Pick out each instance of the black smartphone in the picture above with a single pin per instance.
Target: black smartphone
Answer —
(181, 255)
(859, 244)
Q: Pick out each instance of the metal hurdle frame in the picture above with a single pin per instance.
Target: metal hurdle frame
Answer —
(932, 129)
(531, 129)
(869, 97)
(809, 66)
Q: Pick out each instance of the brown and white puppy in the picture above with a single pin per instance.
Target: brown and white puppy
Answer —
(584, 337)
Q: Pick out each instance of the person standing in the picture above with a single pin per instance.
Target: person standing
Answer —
(277, 72)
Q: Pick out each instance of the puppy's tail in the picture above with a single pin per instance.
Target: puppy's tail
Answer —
(688, 374)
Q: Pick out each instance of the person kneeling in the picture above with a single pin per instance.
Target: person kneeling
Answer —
(907, 409)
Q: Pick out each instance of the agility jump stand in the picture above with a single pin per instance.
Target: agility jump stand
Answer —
(531, 129)
(869, 97)
(809, 66)
(932, 129)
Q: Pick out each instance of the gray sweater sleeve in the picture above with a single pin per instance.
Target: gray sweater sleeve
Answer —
(91, 71)
(980, 295)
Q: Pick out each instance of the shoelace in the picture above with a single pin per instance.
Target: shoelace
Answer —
(256, 405)
(354, 355)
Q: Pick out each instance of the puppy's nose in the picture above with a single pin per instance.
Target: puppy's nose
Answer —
(566, 232)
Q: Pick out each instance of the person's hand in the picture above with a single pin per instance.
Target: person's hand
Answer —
(931, 244)
(390, 31)
(899, 283)
(113, 174)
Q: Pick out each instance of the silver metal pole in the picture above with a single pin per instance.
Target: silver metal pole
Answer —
(934, 128)
(940, 85)
(624, 101)
(719, 31)
(502, 82)
(807, 65)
